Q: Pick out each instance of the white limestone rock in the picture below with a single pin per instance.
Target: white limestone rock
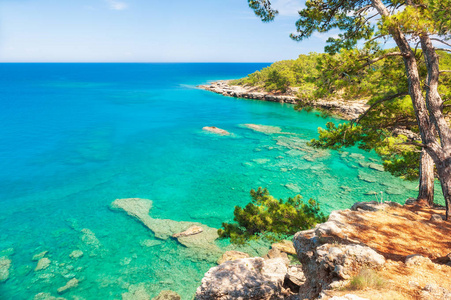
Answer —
(246, 278)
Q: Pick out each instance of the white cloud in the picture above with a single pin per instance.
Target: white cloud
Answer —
(117, 5)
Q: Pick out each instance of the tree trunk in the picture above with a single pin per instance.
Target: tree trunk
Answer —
(444, 173)
(430, 118)
(426, 189)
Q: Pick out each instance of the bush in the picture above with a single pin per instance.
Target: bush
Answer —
(274, 219)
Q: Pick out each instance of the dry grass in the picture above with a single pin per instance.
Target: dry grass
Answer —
(367, 279)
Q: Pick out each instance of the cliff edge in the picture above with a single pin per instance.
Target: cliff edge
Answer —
(371, 251)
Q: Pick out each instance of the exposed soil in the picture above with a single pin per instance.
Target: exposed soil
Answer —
(397, 232)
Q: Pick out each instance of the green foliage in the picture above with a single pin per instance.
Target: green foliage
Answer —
(281, 75)
(274, 219)
(367, 278)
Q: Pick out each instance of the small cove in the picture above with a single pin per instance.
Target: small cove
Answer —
(75, 137)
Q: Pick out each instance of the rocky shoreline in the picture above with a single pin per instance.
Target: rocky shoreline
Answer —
(385, 243)
(347, 110)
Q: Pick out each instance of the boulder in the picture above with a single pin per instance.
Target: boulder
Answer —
(296, 275)
(43, 264)
(246, 278)
(216, 130)
(190, 231)
(167, 295)
(5, 264)
(417, 260)
(232, 255)
(436, 218)
(69, 285)
(285, 246)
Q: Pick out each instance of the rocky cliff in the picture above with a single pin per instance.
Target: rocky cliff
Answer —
(371, 251)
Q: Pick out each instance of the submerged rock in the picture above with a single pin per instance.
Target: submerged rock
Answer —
(232, 255)
(165, 228)
(43, 264)
(5, 264)
(46, 296)
(136, 292)
(264, 128)
(167, 295)
(246, 278)
(69, 285)
(76, 254)
(37, 257)
(216, 130)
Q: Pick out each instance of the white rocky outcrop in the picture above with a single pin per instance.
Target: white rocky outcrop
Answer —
(246, 278)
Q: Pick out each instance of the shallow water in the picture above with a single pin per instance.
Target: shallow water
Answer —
(75, 137)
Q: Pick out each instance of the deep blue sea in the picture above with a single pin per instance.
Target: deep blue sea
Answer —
(75, 137)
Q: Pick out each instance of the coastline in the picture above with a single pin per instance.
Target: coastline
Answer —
(347, 110)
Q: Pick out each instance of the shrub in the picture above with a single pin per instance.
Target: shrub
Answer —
(274, 219)
(366, 279)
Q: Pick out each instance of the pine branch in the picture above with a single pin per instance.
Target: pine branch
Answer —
(357, 121)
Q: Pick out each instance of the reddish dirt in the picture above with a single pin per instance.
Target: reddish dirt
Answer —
(396, 232)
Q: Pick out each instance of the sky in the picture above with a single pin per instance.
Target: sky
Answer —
(148, 31)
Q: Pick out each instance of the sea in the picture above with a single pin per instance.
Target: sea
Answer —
(76, 137)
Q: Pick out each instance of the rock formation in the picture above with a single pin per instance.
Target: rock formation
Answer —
(246, 278)
(216, 130)
(232, 255)
(189, 234)
(5, 264)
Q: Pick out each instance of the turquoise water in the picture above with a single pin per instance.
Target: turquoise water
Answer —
(75, 137)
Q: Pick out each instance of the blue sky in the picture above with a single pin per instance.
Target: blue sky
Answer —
(147, 31)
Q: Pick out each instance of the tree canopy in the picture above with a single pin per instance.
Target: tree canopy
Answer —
(412, 25)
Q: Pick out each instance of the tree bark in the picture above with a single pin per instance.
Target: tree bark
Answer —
(426, 189)
(430, 118)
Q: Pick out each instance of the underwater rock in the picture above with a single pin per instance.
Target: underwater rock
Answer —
(367, 178)
(246, 278)
(293, 187)
(232, 255)
(76, 254)
(150, 243)
(69, 285)
(43, 264)
(136, 292)
(264, 128)
(46, 296)
(167, 295)
(216, 130)
(5, 264)
(165, 228)
(37, 257)
(89, 238)
(376, 167)
(261, 161)
(190, 231)
(204, 240)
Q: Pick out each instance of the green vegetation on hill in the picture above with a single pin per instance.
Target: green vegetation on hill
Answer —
(274, 219)
(348, 75)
